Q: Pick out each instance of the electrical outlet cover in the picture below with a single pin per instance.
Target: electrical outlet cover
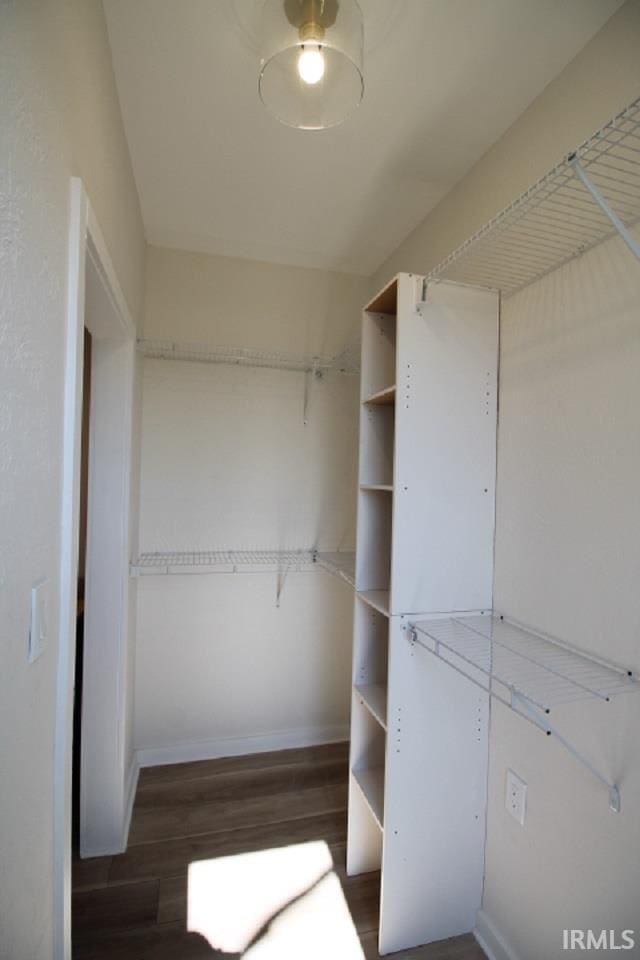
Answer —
(516, 797)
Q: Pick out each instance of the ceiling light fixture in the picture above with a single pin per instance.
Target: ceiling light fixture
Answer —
(311, 63)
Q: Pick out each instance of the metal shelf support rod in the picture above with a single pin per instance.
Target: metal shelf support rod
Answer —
(617, 223)
(542, 721)
(528, 711)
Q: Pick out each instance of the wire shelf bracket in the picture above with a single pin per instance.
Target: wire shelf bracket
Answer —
(527, 672)
(314, 375)
(593, 193)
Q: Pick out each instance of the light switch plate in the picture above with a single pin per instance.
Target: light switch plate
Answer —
(38, 620)
(516, 797)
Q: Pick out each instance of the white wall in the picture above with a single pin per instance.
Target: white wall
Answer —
(59, 115)
(227, 463)
(568, 562)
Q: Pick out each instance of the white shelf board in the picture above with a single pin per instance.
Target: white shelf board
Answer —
(371, 784)
(556, 219)
(378, 599)
(383, 398)
(541, 671)
(374, 697)
(377, 487)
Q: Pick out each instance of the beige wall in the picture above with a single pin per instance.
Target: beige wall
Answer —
(59, 116)
(94, 134)
(599, 82)
(568, 563)
(567, 517)
(227, 463)
(249, 303)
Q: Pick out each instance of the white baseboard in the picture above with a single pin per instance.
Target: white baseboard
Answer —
(491, 940)
(239, 746)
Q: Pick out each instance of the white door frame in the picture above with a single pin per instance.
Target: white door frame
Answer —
(103, 826)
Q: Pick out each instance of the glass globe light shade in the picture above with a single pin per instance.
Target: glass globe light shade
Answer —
(311, 61)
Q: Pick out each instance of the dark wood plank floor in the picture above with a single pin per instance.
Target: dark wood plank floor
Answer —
(133, 906)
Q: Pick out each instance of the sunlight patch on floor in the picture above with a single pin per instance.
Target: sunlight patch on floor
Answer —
(275, 904)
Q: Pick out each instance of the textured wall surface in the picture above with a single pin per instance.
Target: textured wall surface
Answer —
(568, 562)
(47, 86)
(227, 463)
(33, 197)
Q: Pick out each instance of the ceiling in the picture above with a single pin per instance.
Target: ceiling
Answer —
(215, 172)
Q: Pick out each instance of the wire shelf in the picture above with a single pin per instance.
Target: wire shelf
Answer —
(221, 561)
(243, 561)
(346, 362)
(527, 672)
(557, 219)
(342, 564)
(543, 672)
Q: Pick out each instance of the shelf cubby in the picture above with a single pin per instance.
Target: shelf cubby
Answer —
(373, 696)
(368, 747)
(379, 346)
(370, 644)
(377, 443)
(373, 559)
(371, 784)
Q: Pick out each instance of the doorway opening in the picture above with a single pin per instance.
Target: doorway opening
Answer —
(82, 559)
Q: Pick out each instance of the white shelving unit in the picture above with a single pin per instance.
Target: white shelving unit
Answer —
(424, 543)
(427, 447)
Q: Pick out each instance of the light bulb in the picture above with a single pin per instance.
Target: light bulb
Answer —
(311, 65)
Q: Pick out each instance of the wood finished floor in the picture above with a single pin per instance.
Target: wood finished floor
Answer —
(133, 906)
